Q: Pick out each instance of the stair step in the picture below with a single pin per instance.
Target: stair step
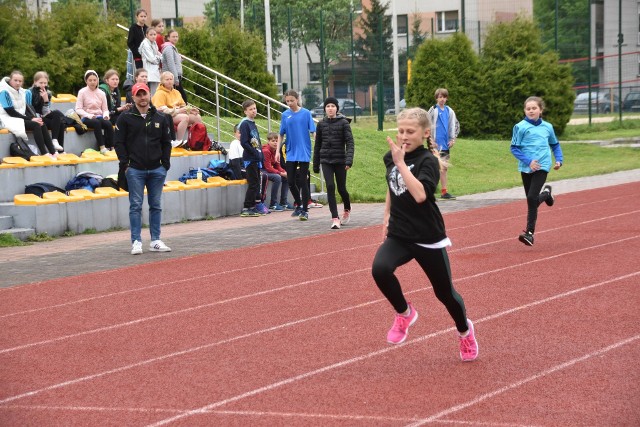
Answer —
(19, 233)
(6, 222)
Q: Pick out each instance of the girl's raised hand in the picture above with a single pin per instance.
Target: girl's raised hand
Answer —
(397, 153)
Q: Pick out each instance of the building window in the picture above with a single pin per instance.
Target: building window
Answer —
(315, 71)
(277, 73)
(403, 24)
(447, 21)
(172, 22)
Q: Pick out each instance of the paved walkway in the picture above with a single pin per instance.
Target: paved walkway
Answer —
(69, 256)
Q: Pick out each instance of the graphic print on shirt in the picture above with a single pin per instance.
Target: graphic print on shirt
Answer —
(396, 182)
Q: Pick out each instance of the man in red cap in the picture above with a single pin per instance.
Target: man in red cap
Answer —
(143, 145)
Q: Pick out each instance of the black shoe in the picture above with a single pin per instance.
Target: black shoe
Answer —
(447, 196)
(526, 238)
(549, 200)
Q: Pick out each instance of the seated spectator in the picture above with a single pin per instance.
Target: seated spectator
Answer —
(172, 61)
(41, 103)
(169, 101)
(151, 59)
(235, 155)
(276, 174)
(139, 76)
(16, 117)
(112, 93)
(93, 109)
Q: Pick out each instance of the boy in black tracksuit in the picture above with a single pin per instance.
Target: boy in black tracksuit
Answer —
(252, 157)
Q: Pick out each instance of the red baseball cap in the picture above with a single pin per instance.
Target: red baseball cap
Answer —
(138, 87)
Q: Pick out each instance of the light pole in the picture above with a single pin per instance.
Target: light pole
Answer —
(267, 30)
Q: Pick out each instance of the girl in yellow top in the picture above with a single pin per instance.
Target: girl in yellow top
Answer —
(169, 101)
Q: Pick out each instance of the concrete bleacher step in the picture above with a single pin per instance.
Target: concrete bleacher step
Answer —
(6, 227)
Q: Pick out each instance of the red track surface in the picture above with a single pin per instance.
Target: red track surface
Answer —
(293, 333)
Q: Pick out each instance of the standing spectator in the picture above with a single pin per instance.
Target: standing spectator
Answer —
(172, 61)
(112, 93)
(158, 25)
(169, 101)
(276, 174)
(16, 117)
(93, 109)
(443, 132)
(333, 150)
(297, 125)
(41, 102)
(532, 142)
(252, 157)
(143, 145)
(151, 59)
(235, 154)
(136, 34)
(413, 228)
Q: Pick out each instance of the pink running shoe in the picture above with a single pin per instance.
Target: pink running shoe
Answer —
(469, 345)
(346, 217)
(400, 329)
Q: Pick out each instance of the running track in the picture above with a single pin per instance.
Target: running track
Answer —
(293, 333)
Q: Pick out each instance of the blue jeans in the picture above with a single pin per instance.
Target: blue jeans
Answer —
(154, 181)
(278, 183)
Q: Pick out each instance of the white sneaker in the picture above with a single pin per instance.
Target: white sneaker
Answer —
(104, 150)
(136, 248)
(177, 143)
(57, 146)
(159, 246)
(335, 225)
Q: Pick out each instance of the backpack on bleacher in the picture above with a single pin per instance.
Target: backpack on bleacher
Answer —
(223, 169)
(39, 188)
(198, 139)
(193, 174)
(84, 180)
(20, 148)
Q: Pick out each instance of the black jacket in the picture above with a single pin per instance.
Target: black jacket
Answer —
(36, 99)
(334, 143)
(143, 143)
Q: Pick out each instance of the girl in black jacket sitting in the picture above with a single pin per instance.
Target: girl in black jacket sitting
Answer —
(41, 103)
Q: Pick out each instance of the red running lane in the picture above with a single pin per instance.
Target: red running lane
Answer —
(343, 352)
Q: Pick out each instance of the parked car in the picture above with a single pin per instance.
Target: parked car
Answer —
(631, 102)
(402, 104)
(600, 102)
(346, 108)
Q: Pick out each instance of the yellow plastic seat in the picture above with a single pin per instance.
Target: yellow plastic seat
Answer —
(21, 161)
(112, 192)
(87, 194)
(4, 131)
(111, 155)
(74, 159)
(196, 153)
(61, 197)
(44, 159)
(31, 200)
(174, 186)
(195, 183)
(64, 97)
(178, 152)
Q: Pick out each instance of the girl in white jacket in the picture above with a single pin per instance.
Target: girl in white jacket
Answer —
(151, 58)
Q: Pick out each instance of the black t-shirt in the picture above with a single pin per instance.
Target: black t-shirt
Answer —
(409, 220)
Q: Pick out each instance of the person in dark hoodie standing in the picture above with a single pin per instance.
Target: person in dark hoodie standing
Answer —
(136, 35)
(143, 146)
(333, 150)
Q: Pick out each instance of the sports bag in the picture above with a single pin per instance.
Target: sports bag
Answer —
(21, 149)
(198, 139)
(39, 188)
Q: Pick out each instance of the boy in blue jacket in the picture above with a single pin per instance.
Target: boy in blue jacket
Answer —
(251, 156)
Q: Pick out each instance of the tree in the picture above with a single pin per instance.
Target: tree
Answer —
(573, 30)
(450, 63)
(375, 46)
(512, 68)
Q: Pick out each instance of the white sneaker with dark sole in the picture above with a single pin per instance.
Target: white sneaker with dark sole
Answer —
(159, 246)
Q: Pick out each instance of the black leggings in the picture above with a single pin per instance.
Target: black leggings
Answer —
(533, 183)
(253, 190)
(292, 170)
(435, 262)
(98, 125)
(55, 123)
(340, 173)
(41, 136)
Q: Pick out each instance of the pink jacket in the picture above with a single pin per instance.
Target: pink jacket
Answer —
(91, 103)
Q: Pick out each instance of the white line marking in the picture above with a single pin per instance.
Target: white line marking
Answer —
(379, 352)
(268, 291)
(308, 374)
(524, 381)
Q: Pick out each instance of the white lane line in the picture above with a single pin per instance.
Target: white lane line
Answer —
(305, 375)
(524, 381)
(295, 285)
(344, 363)
(280, 261)
(269, 291)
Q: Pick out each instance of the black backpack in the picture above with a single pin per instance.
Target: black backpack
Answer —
(39, 188)
(20, 148)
